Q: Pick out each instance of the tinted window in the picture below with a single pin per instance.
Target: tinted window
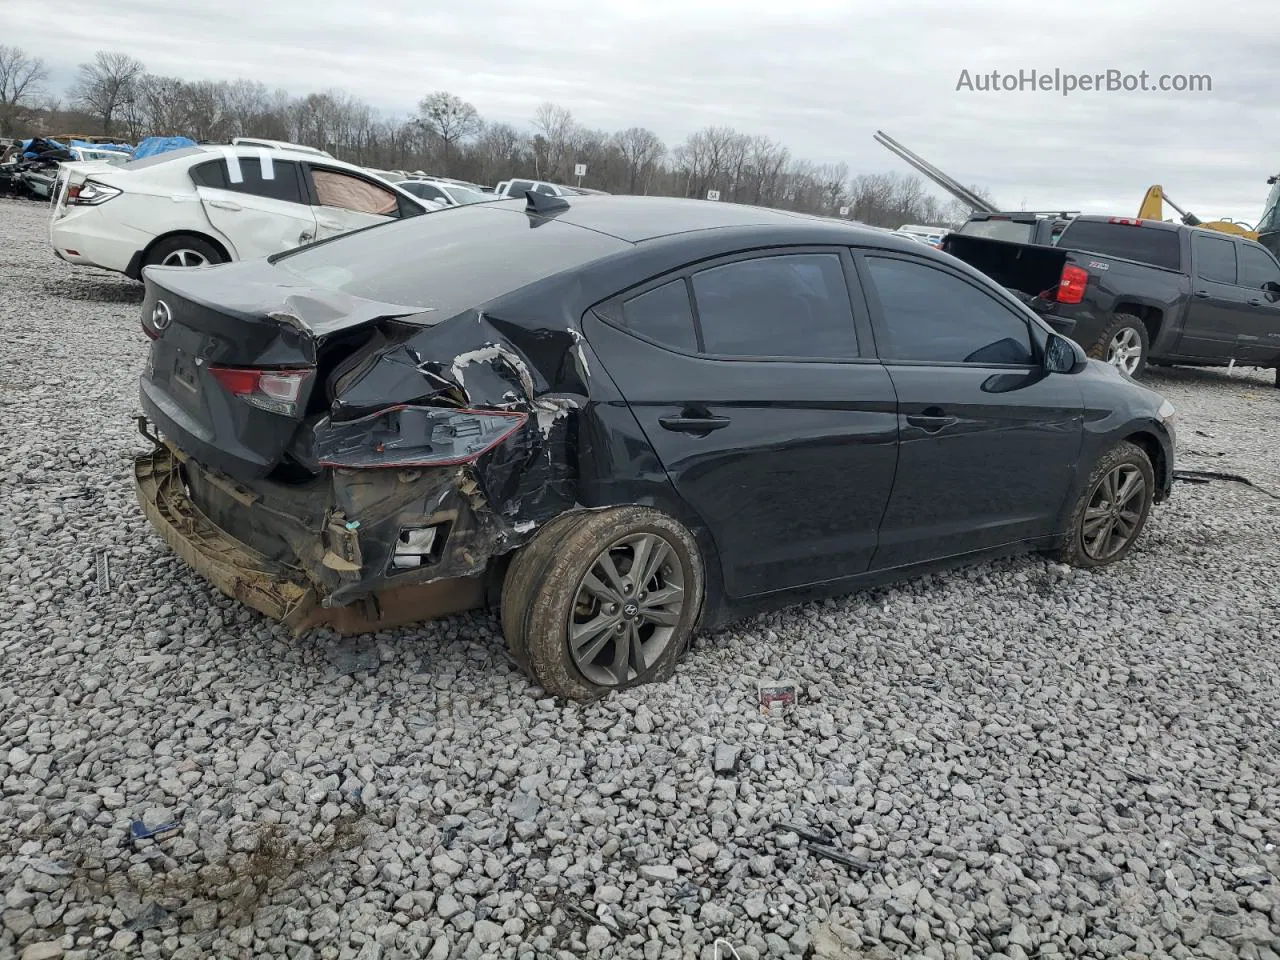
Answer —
(448, 263)
(933, 316)
(663, 314)
(280, 182)
(1257, 267)
(1009, 230)
(788, 306)
(1215, 258)
(335, 188)
(1144, 244)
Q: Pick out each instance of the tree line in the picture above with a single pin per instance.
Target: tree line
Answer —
(114, 95)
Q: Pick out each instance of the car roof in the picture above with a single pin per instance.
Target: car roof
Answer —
(637, 219)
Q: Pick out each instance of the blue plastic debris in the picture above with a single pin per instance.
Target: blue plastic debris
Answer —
(140, 831)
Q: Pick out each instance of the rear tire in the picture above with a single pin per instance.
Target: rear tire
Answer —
(184, 250)
(1124, 344)
(615, 604)
(1113, 509)
(523, 574)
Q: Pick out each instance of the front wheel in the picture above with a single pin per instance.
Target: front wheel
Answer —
(1110, 514)
(613, 605)
(1124, 344)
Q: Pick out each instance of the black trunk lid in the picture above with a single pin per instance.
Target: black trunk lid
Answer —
(241, 316)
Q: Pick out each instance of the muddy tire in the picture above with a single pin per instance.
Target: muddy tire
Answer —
(523, 573)
(1124, 344)
(615, 604)
(1113, 509)
(184, 250)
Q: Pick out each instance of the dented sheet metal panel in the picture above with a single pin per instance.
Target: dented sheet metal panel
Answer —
(280, 591)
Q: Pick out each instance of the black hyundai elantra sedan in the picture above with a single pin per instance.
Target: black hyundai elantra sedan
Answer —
(620, 419)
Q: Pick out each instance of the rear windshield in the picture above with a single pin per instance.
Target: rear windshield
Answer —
(1144, 244)
(998, 230)
(452, 260)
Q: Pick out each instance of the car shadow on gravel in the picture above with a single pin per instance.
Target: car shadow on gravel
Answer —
(98, 289)
(1245, 378)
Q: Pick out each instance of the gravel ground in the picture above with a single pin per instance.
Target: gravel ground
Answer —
(1016, 760)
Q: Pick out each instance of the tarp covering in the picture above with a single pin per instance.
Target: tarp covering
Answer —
(116, 147)
(153, 145)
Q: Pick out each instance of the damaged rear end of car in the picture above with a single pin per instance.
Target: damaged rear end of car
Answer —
(333, 447)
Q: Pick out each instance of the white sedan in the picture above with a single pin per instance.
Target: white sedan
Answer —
(212, 204)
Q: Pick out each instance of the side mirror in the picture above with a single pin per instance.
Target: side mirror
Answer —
(1272, 290)
(1063, 356)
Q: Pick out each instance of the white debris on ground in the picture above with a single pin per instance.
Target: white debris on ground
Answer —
(1017, 759)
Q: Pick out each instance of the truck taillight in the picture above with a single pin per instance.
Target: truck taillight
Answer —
(276, 391)
(1071, 284)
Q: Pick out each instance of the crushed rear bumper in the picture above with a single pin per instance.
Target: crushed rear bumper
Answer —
(280, 591)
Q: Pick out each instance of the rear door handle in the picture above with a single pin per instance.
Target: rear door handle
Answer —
(306, 236)
(1202, 294)
(1255, 302)
(225, 205)
(331, 224)
(693, 424)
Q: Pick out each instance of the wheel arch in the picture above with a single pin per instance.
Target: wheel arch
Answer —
(1152, 317)
(208, 238)
(1150, 444)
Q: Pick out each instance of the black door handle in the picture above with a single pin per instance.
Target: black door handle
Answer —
(931, 419)
(1202, 294)
(693, 424)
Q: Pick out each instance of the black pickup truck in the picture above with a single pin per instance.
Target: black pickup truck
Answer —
(1134, 292)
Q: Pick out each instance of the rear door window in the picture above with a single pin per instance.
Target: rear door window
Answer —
(1152, 245)
(1215, 258)
(275, 179)
(793, 305)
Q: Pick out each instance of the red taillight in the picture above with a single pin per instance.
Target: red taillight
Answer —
(73, 191)
(1071, 284)
(274, 390)
(1125, 221)
(414, 436)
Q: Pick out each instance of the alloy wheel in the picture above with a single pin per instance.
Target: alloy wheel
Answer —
(1125, 350)
(1114, 513)
(626, 609)
(184, 258)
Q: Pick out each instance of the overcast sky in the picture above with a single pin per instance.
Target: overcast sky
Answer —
(820, 75)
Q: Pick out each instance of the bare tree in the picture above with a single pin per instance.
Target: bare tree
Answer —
(21, 84)
(107, 85)
(642, 150)
(450, 119)
(553, 128)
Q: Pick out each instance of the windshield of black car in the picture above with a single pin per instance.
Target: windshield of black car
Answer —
(451, 261)
(1009, 230)
(1129, 241)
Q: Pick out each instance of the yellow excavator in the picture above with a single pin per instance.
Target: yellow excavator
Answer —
(1153, 209)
